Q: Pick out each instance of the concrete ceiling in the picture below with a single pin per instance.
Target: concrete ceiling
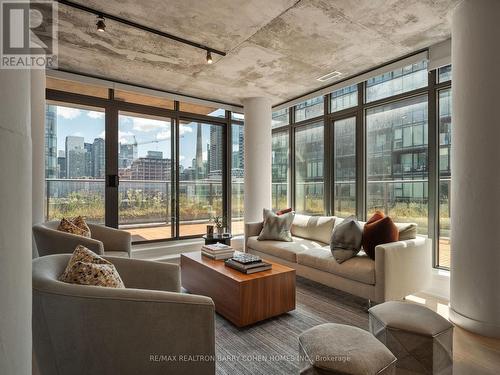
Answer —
(274, 48)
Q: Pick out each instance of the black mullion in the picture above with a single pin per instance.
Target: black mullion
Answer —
(432, 167)
(291, 158)
(175, 227)
(361, 182)
(227, 172)
(111, 167)
(327, 158)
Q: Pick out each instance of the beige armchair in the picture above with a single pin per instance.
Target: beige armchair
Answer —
(105, 240)
(148, 328)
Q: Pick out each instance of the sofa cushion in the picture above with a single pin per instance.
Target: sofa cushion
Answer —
(316, 228)
(359, 268)
(276, 227)
(407, 231)
(378, 230)
(346, 239)
(284, 250)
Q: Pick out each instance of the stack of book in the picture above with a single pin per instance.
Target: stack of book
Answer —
(247, 263)
(217, 251)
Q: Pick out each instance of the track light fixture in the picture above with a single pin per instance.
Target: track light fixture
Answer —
(101, 26)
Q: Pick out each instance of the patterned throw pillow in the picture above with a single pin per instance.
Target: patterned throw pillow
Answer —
(346, 239)
(76, 226)
(87, 268)
(380, 229)
(276, 227)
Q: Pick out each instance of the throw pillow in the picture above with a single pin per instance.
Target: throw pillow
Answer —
(378, 230)
(407, 231)
(79, 221)
(276, 227)
(283, 211)
(346, 239)
(67, 226)
(87, 268)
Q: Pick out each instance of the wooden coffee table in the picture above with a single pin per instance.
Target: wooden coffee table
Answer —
(242, 299)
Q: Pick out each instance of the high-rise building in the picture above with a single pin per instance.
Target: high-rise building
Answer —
(98, 158)
(61, 166)
(128, 153)
(51, 142)
(75, 157)
(155, 155)
(89, 162)
(199, 153)
(216, 162)
(237, 160)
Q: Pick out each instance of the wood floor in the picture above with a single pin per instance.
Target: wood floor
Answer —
(271, 347)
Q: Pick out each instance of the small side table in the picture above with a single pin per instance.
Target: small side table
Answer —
(225, 239)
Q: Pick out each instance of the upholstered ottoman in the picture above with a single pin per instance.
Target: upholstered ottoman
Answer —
(421, 339)
(339, 349)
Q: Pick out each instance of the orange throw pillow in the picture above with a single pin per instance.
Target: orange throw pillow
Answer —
(283, 211)
(378, 230)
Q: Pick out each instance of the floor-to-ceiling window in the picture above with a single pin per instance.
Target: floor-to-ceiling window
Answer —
(280, 167)
(444, 244)
(146, 164)
(309, 168)
(201, 163)
(396, 148)
(237, 178)
(74, 162)
(344, 164)
(145, 171)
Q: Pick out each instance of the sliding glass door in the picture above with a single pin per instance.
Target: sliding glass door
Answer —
(200, 167)
(145, 170)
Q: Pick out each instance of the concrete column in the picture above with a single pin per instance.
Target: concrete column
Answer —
(257, 157)
(38, 145)
(15, 222)
(475, 197)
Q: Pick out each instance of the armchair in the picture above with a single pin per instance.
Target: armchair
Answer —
(147, 328)
(105, 240)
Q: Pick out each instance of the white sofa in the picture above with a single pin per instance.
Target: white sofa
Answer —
(399, 269)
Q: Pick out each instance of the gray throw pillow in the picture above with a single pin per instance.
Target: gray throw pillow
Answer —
(346, 239)
(276, 227)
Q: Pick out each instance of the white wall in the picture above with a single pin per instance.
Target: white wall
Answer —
(15, 223)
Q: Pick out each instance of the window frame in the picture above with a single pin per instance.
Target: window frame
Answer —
(432, 90)
(112, 108)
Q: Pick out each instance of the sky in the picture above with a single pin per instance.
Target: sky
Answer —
(155, 134)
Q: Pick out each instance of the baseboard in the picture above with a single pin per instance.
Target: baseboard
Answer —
(472, 325)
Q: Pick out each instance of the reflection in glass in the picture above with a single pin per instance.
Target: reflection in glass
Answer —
(309, 156)
(444, 74)
(410, 77)
(344, 162)
(280, 118)
(237, 179)
(396, 144)
(145, 168)
(309, 109)
(74, 162)
(346, 97)
(280, 170)
(444, 177)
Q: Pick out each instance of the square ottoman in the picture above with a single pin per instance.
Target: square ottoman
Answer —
(421, 339)
(343, 350)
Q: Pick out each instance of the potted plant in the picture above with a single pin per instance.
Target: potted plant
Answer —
(219, 223)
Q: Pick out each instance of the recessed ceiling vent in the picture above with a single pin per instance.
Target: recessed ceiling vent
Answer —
(329, 76)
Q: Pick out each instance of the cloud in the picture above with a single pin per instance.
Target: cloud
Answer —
(95, 114)
(163, 135)
(147, 125)
(122, 137)
(181, 157)
(77, 134)
(68, 113)
(183, 129)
